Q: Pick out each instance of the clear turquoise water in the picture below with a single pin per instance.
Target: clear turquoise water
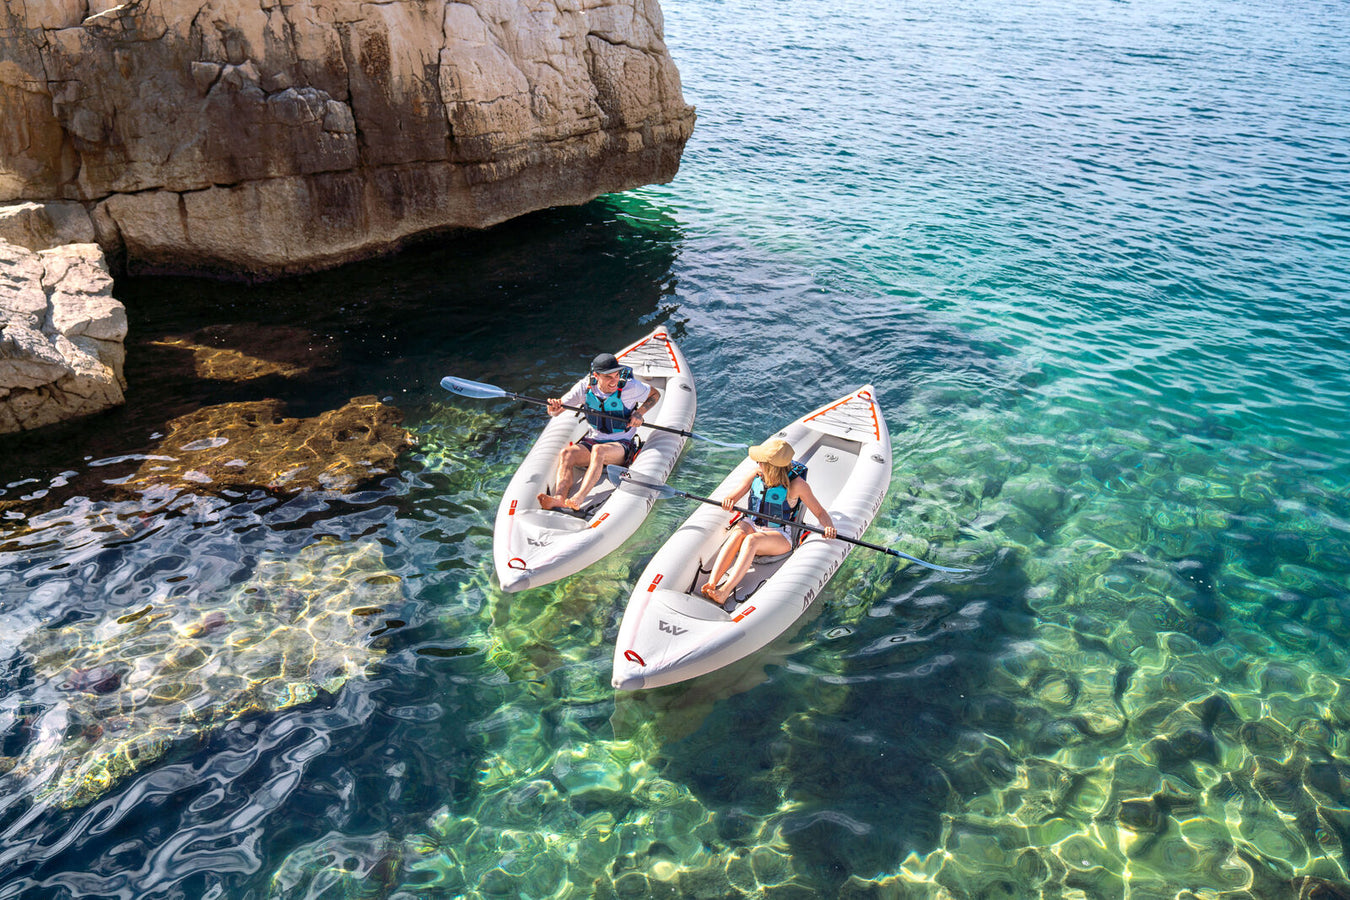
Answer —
(1094, 257)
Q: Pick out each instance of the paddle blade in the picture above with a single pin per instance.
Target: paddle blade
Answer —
(720, 445)
(618, 476)
(475, 389)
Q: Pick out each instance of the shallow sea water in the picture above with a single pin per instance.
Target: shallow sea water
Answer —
(1094, 258)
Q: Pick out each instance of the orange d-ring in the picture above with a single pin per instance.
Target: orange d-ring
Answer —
(631, 656)
(511, 563)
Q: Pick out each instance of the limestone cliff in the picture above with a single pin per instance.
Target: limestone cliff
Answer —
(61, 336)
(258, 137)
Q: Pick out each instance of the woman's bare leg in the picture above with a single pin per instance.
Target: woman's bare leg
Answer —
(725, 555)
(760, 543)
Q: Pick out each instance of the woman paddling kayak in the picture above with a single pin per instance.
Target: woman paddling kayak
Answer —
(777, 487)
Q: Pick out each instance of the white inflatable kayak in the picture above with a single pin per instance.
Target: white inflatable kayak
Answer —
(671, 633)
(533, 546)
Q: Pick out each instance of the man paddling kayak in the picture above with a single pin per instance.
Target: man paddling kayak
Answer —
(615, 401)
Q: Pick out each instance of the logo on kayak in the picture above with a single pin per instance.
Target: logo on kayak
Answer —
(671, 629)
(538, 542)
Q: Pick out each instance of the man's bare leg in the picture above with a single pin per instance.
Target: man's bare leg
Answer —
(569, 457)
(605, 454)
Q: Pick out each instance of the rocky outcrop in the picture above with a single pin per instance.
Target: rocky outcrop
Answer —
(254, 444)
(41, 226)
(61, 336)
(265, 137)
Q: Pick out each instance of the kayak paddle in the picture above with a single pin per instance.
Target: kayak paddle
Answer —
(480, 391)
(618, 474)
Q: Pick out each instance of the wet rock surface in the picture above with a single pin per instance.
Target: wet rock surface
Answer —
(61, 336)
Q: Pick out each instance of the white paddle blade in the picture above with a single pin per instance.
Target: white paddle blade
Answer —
(475, 389)
(618, 476)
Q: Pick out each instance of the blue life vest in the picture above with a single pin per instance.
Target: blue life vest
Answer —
(616, 415)
(774, 501)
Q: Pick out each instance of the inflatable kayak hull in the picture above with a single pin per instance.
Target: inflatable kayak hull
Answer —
(671, 633)
(532, 546)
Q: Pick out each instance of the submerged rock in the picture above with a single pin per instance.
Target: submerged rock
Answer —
(1310, 887)
(288, 137)
(95, 680)
(242, 445)
(129, 687)
(61, 336)
(242, 352)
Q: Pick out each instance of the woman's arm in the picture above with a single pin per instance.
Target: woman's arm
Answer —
(741, 490)
(808, 496)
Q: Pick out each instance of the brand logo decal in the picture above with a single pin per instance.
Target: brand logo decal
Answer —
(671, 629)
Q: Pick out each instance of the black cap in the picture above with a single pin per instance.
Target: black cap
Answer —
(605, 363)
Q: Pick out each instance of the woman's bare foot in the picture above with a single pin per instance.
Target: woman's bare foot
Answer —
(715, 594)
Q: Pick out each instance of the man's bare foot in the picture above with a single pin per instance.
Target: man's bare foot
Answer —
(572, 503)
(547, 502)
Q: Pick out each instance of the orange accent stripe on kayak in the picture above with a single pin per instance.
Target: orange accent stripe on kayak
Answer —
(747, 612)
(596, 523)
(860, 395)
(512, 510)
(664, 339)
(655, 581)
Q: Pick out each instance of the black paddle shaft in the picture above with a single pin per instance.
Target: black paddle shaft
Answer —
(676, 492)
(603, 415)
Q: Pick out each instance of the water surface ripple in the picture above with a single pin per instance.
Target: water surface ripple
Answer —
(1093, 255)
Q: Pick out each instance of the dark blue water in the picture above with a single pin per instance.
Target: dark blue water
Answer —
(1094, 258)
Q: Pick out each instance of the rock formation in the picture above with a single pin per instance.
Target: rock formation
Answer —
(259, 138)
(254, 444)
(61, 336)
(112, 696)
